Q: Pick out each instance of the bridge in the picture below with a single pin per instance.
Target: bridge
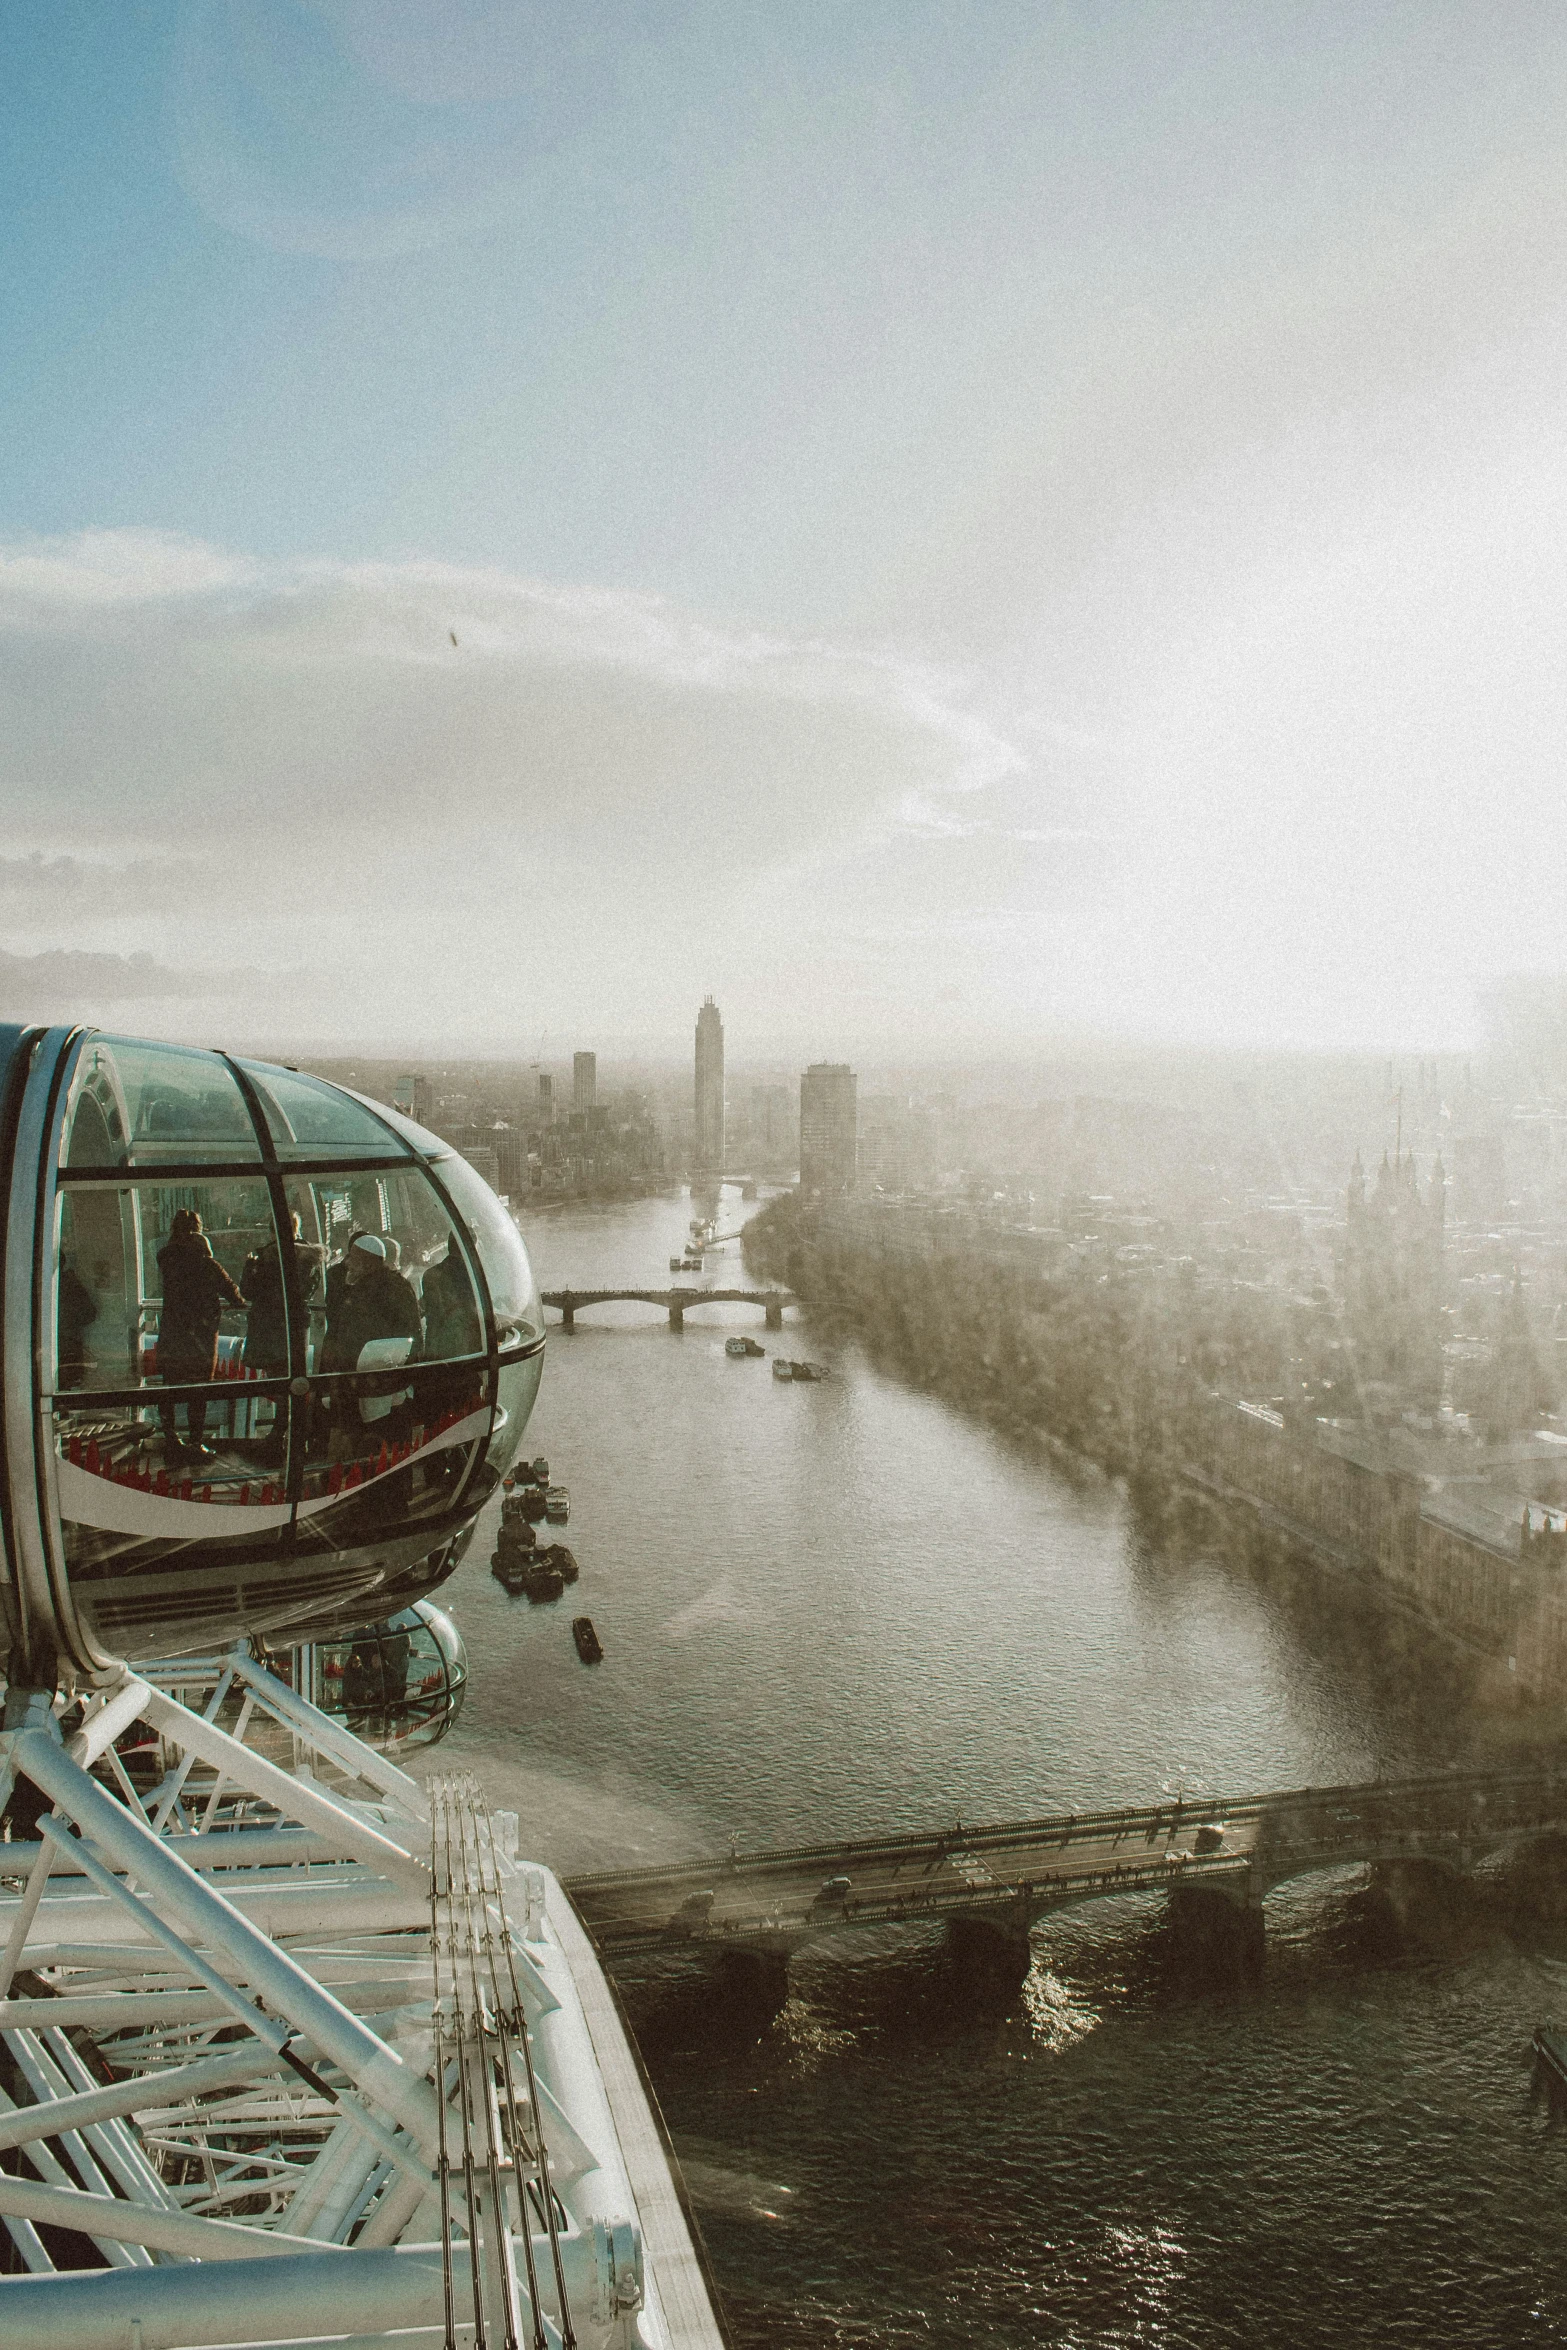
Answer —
(1007, 1875)
(568, 1303)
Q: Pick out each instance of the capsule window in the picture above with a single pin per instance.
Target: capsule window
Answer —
(166, 1430)
(164, 1282)
(150, 1105)
(519, 1317)
(308, 1119)
(409, 1290)
(396, 1355)
(401, 1680)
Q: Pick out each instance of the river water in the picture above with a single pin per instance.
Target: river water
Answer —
(833, 1609)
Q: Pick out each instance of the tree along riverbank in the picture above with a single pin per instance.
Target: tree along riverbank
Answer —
(1083, 1356)
(1210, 1399)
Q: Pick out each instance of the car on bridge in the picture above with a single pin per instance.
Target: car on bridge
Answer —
(694, 1912)
(834, 1893)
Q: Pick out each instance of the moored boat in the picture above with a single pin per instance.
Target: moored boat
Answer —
(740, 1348)
(557, 1505)
(782, 1368)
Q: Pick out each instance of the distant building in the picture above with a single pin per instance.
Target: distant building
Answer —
(546, 1098)
(413, 1096)
(897, 1143)
(1393, 1284)
(775, 1134)
(486, 1162)
(708, 1153)
(829, 1130)
(584, 1080)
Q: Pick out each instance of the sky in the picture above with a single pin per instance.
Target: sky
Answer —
(946, 526)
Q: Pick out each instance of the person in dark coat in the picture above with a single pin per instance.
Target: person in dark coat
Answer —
(263, 1289)
(451, 1311)
(366, 1298)
(76, 1310)
(263, 1284)
(195, 1291)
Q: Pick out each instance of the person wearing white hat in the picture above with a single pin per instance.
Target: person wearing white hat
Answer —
(366, 1298)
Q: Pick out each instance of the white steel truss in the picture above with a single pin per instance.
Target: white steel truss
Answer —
(293, 2049)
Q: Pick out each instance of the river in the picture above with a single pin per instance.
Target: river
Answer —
(833, 1609)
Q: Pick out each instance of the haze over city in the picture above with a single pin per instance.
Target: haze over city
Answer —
(954, 529)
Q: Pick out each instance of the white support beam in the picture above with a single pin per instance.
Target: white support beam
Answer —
(210, 1920)
(26, 1912)
(314, 2293)
(145, 2094)
(240, 1849)
(99, 1731)
(287, 1905)
(332, 1738)
(293, 1798)
(109, 2216)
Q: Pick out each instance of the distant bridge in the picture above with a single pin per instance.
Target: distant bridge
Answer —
(568, 1303)
(1008, 1875)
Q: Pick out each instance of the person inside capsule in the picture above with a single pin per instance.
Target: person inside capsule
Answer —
(313, 1326)
(195, 1290)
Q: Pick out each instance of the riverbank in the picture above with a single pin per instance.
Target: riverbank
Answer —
(1122, 1372)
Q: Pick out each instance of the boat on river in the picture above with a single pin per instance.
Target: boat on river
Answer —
(784, 1369)
(557, 1505)
(740, 1348)
(589, 1646)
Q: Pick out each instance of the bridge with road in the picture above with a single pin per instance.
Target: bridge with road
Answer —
(568, 1303)
(1004, 1876)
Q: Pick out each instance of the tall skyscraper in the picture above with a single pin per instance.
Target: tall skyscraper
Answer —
(546, 1098)
(584, 1080)
(829, 1130)
(413, 1097)
(709, 1151)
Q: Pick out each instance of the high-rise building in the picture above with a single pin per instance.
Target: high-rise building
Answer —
(708, 1151)
(584, 1080)
(829, 1130)
(774, 1127)
(413, 1097)
(546, 1098)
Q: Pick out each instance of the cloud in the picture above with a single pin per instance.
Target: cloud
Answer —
(66, 985)
(444, 793)
(108, 568)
